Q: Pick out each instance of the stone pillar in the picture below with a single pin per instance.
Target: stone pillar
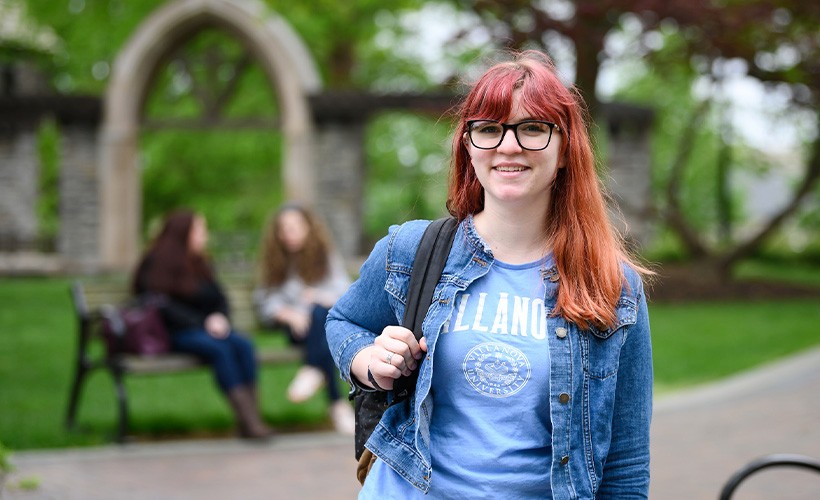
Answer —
(339, 166)
(629, 178)
(19, 176)
(78, 242)
(629, 182)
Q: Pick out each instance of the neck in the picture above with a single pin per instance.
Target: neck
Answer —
(515, 237)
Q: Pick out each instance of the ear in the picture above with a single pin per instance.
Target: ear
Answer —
(466, 142)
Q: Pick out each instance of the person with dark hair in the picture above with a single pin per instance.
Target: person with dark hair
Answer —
(535, 367)
(196, 312)
(301, 278)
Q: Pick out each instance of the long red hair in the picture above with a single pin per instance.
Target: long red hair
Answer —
(587, 250)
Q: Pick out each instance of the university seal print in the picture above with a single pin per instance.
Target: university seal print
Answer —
(496, 370)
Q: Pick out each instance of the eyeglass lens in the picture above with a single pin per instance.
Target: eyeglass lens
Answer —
(531, 134)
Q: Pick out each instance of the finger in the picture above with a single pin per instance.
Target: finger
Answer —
(406, 337)
(402, 358)
(385, 363)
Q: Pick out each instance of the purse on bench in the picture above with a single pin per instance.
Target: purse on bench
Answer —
(136, 327)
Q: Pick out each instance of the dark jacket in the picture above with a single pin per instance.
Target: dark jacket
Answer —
(184, 311)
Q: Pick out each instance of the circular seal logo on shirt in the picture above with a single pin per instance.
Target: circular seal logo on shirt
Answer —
(496, 370)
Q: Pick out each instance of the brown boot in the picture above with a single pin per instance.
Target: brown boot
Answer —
(247, 414)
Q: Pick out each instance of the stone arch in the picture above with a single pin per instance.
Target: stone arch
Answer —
(276, 47)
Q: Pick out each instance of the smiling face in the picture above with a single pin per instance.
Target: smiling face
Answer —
(511, 175)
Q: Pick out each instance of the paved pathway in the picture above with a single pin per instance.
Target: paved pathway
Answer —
(699, 439)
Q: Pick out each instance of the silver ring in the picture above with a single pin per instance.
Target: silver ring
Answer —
(389, 358)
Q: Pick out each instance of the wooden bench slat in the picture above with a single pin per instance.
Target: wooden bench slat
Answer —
(168, 363)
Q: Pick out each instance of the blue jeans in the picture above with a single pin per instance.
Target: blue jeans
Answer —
(232, 358)
(317, 352)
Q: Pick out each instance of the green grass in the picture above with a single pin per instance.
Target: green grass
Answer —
(702, 342)
(37, 349)
(792, 272)
(693, 344)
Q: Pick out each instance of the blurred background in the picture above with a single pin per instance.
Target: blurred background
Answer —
(113, 112)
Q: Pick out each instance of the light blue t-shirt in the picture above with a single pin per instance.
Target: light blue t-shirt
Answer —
(490, 427)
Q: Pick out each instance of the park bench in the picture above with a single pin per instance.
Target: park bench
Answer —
(92, 297)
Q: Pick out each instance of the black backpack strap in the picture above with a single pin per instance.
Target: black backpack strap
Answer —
(431, 256)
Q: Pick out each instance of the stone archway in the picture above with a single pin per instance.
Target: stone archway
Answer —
(276, 47)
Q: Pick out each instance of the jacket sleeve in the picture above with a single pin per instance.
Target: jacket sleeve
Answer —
(180, 316)
(626, 469)
(268, 302)
(362, 312)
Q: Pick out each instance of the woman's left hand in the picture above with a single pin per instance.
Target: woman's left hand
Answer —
(217, 325)
(395, 353)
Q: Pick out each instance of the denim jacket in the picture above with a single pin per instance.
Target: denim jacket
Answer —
(600, 381)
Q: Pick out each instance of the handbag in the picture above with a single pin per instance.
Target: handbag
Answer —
(136, 327)
(428, 264)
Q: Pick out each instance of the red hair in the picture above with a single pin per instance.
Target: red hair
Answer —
(587, 250)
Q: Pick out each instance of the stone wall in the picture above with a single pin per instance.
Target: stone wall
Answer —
(78, 242)
(339, 169)
(627, 175)
(19, 175)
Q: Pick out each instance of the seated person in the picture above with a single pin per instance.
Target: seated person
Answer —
(197, 316)
(301, 278)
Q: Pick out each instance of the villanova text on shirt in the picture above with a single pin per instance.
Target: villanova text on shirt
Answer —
(513, 315)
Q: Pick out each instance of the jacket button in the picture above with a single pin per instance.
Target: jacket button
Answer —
(560, 332)
(563, 398)
(565, 460)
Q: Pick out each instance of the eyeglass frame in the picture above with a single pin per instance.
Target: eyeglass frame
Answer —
(554, 127)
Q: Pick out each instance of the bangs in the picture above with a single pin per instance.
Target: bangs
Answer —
(494, 95)
(539, 96)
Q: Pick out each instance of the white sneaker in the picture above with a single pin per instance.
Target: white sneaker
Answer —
(307, 381)
(343, 419)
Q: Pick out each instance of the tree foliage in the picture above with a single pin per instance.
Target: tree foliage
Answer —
(776, 40)
(378, 45)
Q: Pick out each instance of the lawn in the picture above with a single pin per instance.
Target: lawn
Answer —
(37, 349)
(693, 343)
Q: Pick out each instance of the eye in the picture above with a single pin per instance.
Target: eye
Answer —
(486, 127)
(534, 128)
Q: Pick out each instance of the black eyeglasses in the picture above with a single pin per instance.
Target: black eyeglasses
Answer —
(533, 135)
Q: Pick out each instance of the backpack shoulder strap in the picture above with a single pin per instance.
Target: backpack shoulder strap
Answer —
(431, 256)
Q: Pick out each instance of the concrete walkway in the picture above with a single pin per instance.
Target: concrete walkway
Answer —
(699, 438)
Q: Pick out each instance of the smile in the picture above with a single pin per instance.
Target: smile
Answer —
(510, 168)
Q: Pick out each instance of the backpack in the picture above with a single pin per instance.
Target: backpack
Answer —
(428, 264)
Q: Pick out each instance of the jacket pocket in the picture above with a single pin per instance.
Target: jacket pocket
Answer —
(601, 349)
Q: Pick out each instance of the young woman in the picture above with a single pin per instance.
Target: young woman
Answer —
(301, 279)
(535, 367)
(197, 315)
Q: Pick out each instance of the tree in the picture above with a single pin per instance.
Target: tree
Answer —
(776, 39)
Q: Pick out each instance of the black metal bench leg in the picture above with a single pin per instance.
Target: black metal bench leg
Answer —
(122, 404)
(74, 395)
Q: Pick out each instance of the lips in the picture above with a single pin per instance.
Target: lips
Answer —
(510, 168)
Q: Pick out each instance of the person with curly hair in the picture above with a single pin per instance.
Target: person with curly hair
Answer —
(301, 278)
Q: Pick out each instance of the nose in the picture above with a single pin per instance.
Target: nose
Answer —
(509, 142)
